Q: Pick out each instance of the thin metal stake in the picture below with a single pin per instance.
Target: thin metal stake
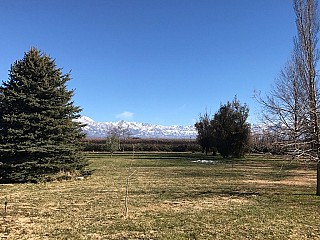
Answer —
(5, 206)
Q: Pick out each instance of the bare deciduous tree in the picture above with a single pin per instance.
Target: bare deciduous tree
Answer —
(292, 107)
(284, 110)
(307, 57)
(121, 132)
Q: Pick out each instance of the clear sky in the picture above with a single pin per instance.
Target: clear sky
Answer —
(154, 61)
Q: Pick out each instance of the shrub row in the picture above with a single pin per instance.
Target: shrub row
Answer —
(162, 145)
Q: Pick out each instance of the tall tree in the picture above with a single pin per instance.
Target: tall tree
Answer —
(38, 137)
(230, 129)
(294, 102)
(307, 55)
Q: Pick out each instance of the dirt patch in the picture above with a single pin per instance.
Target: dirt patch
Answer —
(195, 205)
(302, 178)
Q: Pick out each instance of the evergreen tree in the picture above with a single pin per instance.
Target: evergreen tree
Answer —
(205, 133)
(38, 137)
(230, 129)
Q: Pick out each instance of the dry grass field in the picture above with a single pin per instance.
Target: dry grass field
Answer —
(170, 197)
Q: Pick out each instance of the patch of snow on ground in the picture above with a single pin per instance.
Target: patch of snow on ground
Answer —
(205, 161)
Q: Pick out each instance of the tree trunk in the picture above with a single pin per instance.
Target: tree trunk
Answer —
(318, 178)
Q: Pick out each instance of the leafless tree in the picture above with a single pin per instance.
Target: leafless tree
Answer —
(284, 110)
(121, 132)
(292, 107)
(129, 174)
(307, 57)
(265, 140)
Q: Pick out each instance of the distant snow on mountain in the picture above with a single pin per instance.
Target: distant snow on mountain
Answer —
(95, 129)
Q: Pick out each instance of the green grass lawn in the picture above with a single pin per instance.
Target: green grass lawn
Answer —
(170, 197)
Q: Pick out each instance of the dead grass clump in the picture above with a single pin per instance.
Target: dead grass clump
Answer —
(218, 202)
(17, 226)
(298, 178)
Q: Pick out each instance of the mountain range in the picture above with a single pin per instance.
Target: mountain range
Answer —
(95, 129)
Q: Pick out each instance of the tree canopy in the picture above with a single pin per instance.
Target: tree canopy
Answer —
(38, 137)
(205, 133)
(228, 131)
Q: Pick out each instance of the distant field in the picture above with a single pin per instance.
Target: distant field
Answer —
(170, 197)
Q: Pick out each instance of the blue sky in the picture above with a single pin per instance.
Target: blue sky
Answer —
(155, 61)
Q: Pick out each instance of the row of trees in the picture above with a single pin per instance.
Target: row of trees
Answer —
(141, 144)
(227, 132)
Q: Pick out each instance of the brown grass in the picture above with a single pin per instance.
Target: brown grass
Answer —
(300, 178)
(169, 198)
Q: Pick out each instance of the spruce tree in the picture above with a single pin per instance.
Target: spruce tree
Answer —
(38, 137)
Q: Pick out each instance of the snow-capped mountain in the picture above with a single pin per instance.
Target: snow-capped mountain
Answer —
(134, 129)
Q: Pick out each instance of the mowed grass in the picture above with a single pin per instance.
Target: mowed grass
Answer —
(170, 197)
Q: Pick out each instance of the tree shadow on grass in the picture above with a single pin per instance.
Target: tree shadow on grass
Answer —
(209, 194)
(306, 194)
(232, 193)
(240, 193)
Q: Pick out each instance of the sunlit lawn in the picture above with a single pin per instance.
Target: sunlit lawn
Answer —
(170, 197)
